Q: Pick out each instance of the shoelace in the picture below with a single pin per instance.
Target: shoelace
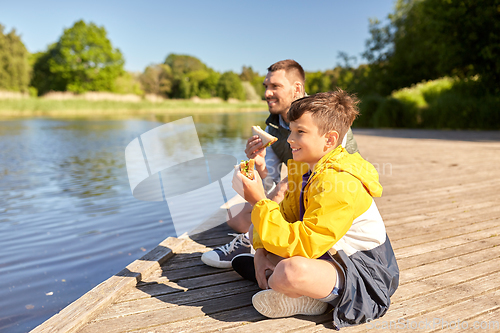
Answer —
(239, 239)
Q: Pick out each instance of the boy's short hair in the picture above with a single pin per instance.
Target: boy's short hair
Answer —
(292, 70)
(332, 111)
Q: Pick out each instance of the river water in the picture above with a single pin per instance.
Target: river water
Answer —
(68, 220)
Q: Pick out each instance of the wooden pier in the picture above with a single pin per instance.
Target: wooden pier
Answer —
(441, 207)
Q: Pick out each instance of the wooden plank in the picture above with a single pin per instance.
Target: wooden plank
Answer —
(87, 307)
(450, 252)
(491, 319)
(444, 183)
(215, 322)
(430, 281)
(459, 210)
(425, 229)
(169, 315)
(187, 272)
(477, 200)
(439, 234)
(391, 171)
(444, 297)
(163, 286)
(427, 226)
(445, 243)
(418, 309)
(120, 309)
(468, 311)
(389, 204)
(297, 323)
(422, 181)
(488, 257)
(433, 195)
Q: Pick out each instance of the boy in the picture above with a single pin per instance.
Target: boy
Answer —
(326, 241)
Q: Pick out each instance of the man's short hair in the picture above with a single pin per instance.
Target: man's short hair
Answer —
(293, 70)
(331, 111)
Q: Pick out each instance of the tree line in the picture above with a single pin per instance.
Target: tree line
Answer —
(83, 59)
(434, 64)
(455, 41)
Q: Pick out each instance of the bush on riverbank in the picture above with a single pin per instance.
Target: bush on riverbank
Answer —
(68, 107)
(443, 103)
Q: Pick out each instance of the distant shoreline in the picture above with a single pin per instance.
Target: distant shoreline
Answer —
(39, 107)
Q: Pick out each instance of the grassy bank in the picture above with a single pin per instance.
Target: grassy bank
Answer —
(29, 107)
(445, 103)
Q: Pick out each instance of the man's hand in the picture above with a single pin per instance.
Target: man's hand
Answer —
(262, 264)
(251, 190)
(255, 149)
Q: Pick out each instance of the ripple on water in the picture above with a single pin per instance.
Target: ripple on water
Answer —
(68, 220)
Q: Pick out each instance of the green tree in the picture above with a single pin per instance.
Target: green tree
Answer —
(256, 80)
(14, 62)
(128, 83)
(191, 77)
(466, 35)
(157, 79)
(349, 78)
(229, 86)
(183, 64)
(317, 82)
(82, 60)
(207, 84)
(428, 39)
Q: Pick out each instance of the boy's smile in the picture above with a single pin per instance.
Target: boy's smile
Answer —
(307, 144)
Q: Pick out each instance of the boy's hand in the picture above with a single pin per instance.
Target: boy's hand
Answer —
(262, 264)
(251, 190)
(255, 149)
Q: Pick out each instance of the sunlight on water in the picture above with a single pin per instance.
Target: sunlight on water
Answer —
(68, 220)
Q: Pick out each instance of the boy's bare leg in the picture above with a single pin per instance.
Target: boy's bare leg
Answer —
(299, 276)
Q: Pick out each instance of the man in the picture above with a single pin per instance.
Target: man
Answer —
(284, 83)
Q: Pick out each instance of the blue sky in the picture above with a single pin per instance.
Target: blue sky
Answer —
(225, 35)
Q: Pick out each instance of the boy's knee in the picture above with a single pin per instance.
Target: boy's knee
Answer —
(293, 271)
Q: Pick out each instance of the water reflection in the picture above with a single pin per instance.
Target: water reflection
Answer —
(68, 219)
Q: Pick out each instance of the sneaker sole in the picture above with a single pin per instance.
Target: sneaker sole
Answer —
(276, 305)
(216, 264)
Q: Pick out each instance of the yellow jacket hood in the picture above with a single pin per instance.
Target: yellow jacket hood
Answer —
(341, 161)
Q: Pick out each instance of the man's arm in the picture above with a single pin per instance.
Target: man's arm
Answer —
(273, 167)
(350, 145)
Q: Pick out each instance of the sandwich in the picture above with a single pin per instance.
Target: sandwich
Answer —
(248, 168)
(267, 139)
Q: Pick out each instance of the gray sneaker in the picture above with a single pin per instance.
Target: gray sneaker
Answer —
(221, 257)
(276, 305)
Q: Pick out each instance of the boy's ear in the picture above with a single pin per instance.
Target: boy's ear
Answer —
(332, 138)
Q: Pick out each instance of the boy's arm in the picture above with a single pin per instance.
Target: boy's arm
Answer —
(329, 215)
